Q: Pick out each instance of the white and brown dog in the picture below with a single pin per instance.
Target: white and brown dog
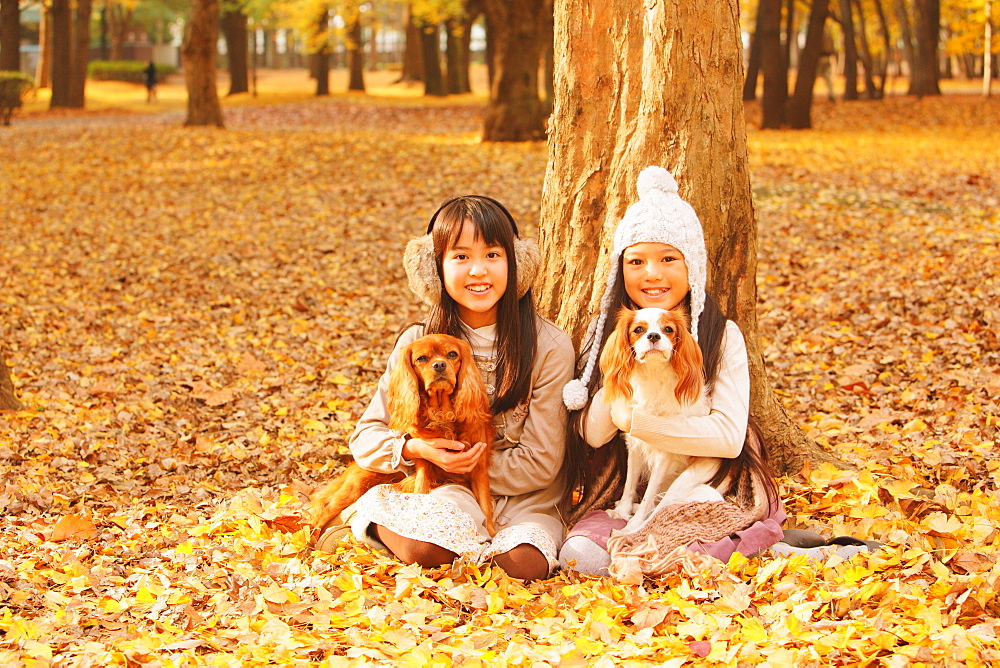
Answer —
(652, 361)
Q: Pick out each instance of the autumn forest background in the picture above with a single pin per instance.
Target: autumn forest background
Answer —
(192, 318)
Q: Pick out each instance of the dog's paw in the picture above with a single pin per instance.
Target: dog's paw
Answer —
(620, 512)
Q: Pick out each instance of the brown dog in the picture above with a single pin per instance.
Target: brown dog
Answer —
(434, 392)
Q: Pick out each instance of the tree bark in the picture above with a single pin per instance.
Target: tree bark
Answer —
(905, 34)
(81, 54)
(515, 112)
(62, 54)
(633, 89)
(799, 114)
(924, 72)
(753, 63)
(10, 36)
(203, 107)
(987, 51)
(234, 28)
(355, 56)
(430, 49)
(8, 399)
(887, 45)
(850, 51)
(865, 54)
(413, 58)
(44, 66)
(457, 54)
(773, 64)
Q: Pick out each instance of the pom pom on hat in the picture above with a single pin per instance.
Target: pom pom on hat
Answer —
(655, 178)
(575, 395)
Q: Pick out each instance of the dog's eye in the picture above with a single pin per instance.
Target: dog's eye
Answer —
(639, 330)
(668, 330)
(452, 355)
(422, 359)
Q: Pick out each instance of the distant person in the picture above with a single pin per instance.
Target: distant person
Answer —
(150, 73)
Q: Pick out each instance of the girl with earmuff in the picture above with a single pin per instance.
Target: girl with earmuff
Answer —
(475, 273)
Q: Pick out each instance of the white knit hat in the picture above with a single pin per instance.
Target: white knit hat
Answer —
(660, 216)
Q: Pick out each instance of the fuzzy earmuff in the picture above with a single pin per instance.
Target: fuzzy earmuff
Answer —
(422, 271)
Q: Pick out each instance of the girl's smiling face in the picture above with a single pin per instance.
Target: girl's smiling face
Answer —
(475, 276)
(655, 275)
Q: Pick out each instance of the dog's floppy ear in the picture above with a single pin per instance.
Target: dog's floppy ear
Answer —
(618, 359)
(689, 367)
(404, 392)
(470, 399)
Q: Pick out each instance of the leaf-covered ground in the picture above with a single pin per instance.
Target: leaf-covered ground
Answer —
(195, 318)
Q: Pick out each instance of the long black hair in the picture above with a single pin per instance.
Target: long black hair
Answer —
(516, 339)
(581, 494)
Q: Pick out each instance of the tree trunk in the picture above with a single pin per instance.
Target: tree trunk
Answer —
(789, 34)
(772, 61)
(515, 112)
(10, 36)
(322, 63)
(987, 51)
(634, 89)
(927, 24)
(753, 63)
(430, 48)
(799, 113)
(355, 56)
(886, 44)
(81, 53)
(457, 55)
(199, 49)
(865, 54)
(413, 55)
(548, 56)
(905, 34)
(850, 51)
(234, 28)
(44, 66)
(62, 54)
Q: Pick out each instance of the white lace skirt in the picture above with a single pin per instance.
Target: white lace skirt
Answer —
(450, 517)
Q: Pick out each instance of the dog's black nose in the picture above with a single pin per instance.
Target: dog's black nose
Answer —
(653, 336)
(439, 366)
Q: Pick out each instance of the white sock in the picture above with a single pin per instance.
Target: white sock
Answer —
(586, 556)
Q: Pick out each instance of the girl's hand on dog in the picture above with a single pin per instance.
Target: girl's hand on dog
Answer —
(452, 456)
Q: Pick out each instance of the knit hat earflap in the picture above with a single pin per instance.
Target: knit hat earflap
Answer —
(660, 216)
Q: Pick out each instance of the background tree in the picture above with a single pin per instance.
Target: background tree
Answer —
(753, 62)
(515, 112)
(772, 63)
(850, 51)
(70, 52)
(44, 65)
(234, 29)
(799, 113)
(633, 89)
(8, 399)
(199, 52)
(10, 35)
(926, 30)
(355, 51)
(988, 49)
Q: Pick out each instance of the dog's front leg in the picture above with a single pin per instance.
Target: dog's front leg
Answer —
(657, 482)
(636, 466)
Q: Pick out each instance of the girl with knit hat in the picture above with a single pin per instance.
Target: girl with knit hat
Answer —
(475, 273)
(659, 260)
